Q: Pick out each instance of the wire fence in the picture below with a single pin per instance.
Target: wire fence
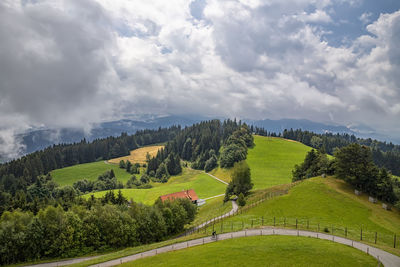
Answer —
(222, 224)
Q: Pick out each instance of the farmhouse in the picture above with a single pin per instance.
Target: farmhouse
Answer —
(189, 194)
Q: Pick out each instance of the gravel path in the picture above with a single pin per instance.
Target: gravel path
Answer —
(388, 260)
(216, 178)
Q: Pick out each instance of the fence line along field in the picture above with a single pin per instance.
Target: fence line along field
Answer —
(138, 155)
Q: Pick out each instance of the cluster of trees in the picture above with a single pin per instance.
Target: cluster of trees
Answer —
(129, 167)
(235, 148)
(384, 154)
(163, 165)
(354, 164)
(38, 195)
(316, 163)
(241, 184)
(105, 181)
(142, 183)
(18, 175)
(54, 232)
(200, 145)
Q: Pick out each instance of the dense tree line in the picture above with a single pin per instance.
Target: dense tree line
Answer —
(54, 232)
(19, 177)
(384, 154)
(200, 145)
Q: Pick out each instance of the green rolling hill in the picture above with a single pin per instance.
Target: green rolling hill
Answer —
(272, 159)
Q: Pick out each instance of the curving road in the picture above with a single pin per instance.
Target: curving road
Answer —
(388, 260)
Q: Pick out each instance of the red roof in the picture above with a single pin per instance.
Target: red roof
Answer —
(189, 194)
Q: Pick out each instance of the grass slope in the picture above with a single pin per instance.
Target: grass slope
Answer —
(262, 251)
(138, 155)
(89, 171)
(203, 184)
(329, 203)
(272, 159)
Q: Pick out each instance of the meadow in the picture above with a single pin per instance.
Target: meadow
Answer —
(272, 160)
(262, 251)
(138, 155)
(203, 184)
(89, 171)
(319, 203)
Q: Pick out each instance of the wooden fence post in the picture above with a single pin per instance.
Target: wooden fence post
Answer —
(394, 241)
(274, 221)
(296, 223)
(361, 234)
(376, 235)
(345, 231)
(262, 221)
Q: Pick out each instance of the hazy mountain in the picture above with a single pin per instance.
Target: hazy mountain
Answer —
(41, 138)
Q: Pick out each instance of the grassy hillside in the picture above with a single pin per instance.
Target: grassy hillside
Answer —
(89, 171)
(272, 159)
(329, 203)
(204, 185)
(262, 251)
(138, 155)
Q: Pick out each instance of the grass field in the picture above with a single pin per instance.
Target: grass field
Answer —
(213, 208)
(329, 203)
(272, 159)
(89, 171)
(223, 174)
(138, 155)
(204, 185)
(263, 251)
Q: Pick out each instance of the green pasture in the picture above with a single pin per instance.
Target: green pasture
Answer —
(322, 204)
(203, 184)
(263, 251)
(89, 171)
(272, 160)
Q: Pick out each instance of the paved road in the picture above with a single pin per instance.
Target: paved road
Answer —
(389, 260)
(216, 178)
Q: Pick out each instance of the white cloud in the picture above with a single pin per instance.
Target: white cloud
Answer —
(365, 18)
(86, 61)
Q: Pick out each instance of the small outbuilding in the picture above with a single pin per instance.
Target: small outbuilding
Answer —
(188, 194)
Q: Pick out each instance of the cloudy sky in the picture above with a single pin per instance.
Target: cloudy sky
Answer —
(72, 63)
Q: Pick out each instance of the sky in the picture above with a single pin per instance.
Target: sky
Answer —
(74, 63)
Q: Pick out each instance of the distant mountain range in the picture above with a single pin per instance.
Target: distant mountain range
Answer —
(41, 138)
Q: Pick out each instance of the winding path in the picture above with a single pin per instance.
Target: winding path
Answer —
(216, 178)
(389, 260)
(233, 210)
